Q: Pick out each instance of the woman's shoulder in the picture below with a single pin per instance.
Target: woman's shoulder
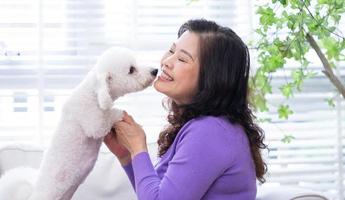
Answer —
(213, 122)
(216, 126)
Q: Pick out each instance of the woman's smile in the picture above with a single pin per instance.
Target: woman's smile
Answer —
(164, 76)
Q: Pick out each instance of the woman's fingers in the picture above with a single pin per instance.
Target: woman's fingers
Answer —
(127, 118)
(119, 125)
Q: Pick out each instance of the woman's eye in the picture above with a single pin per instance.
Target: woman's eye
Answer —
(131, 70)
(171, 51)
(182, 60)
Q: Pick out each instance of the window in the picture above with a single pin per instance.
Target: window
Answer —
(49, 46)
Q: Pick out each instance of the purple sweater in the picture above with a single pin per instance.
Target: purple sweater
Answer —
(209, 159)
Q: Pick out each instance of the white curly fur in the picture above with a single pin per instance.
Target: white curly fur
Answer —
(87, 116)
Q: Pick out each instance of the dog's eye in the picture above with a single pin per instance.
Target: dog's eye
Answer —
(131, 70)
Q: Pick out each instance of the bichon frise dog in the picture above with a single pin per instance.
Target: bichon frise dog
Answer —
(87, 116)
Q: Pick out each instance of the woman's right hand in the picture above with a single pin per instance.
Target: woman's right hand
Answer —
(116, 148)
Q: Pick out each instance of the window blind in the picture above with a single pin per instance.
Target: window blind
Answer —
(49, 46)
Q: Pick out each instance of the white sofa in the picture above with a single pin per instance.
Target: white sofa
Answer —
(108, 181)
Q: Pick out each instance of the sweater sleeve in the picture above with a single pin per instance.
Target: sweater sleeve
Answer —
(130, 174)
(201, 156)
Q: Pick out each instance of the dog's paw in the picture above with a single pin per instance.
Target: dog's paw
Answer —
(117, 115)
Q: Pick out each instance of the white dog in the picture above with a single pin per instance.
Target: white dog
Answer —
(87, 116)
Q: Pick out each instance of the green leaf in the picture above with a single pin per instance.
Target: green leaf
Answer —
(287, 139)
(267, 16)
(273, 62)
(332, 47)
(283, 2)
(284, 111)
(260, 103)
(330, 102)
(262, 82)
(310, 74)
(342, 44)
(291, 25)
(257, 96)
(325, 1)
(287, 89)
(298, 76)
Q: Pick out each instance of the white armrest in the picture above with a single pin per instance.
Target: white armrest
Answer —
(268, 192)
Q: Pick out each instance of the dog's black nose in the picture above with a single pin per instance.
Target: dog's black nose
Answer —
(154, 72)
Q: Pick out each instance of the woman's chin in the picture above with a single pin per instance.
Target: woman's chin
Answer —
(159, 87)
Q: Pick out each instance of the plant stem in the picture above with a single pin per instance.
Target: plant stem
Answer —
(327, 67)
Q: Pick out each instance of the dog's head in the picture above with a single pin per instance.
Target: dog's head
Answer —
(118, 74)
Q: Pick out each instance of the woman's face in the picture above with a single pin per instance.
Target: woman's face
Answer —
(180, 69)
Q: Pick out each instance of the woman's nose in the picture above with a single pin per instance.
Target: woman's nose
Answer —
(167, 62)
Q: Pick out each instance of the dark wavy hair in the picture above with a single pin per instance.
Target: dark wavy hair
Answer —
(223, 88)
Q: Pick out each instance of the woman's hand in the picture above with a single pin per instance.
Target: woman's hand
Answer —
(131, 135)
(116, 148)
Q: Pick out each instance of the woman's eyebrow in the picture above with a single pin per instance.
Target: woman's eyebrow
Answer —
(183, 51)
(187, 53)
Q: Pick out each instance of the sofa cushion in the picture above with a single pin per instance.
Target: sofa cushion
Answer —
(270, 192)
(107, 181)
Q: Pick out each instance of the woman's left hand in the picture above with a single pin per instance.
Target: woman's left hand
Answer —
(131, 135)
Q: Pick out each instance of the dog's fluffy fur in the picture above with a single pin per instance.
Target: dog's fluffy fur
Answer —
(87, 116)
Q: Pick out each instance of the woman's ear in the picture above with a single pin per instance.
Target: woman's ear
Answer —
(104, 99)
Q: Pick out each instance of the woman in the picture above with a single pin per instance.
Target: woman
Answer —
(211, 148)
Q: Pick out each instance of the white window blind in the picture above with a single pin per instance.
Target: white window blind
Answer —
(48, 47)
(314, 159)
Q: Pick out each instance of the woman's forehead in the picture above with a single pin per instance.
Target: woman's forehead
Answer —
(189, 42)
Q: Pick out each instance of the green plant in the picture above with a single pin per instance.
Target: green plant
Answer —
(289, 30)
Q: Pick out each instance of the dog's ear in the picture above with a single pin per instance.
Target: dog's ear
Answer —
(103, 94)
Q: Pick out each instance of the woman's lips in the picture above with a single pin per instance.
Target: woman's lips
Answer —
(165, 77)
